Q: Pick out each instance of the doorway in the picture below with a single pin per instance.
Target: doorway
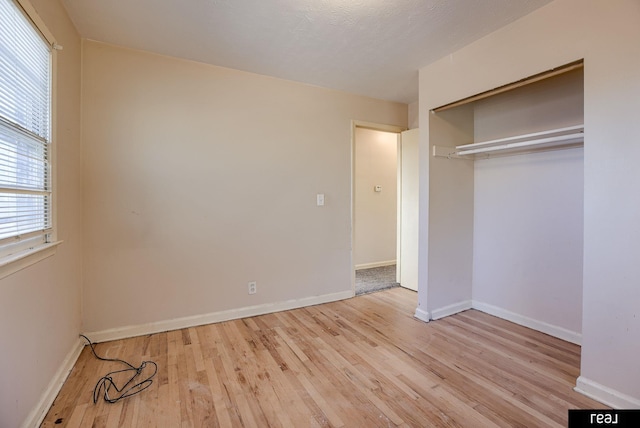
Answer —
(379, 208)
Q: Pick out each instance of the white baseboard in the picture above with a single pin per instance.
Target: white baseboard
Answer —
(422, 315)
(38, 413)
(605, 395)
(192, 321)
(450, 310)
(552, 330)
(375, 264)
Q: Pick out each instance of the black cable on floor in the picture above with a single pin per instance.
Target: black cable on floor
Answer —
(131, 387)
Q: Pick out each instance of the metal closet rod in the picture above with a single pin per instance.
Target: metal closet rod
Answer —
(549, 137)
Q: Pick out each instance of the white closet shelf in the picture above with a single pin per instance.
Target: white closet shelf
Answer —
(560, 137)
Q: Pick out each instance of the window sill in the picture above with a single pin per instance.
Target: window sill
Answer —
(22, 259)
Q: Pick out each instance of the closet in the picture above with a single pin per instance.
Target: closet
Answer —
(506, 203)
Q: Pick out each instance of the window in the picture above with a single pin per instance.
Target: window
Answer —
(25, 133)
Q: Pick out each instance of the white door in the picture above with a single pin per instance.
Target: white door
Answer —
(407, 274)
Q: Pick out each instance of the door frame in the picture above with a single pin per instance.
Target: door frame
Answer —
(376, 127)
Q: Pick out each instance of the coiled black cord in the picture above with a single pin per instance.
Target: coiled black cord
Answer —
(106, 382)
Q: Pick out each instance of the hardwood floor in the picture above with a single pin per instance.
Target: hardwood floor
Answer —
(362, 362)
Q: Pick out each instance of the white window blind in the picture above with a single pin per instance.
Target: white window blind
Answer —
(25, 93)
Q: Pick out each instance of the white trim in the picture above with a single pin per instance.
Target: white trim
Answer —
(53, 146)
(398, 205)
(31, 13)
(552, 330)
(375, 264)
(605, 395)
(376, 126)
(36, 416)
(22, 259)
(422, 315)
(214, 317)
(450, 309)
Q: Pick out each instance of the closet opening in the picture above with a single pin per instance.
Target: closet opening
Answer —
(506, 204)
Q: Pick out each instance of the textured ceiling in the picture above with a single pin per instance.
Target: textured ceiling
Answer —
(367, 47)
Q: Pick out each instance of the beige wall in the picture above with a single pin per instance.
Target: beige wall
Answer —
(605, 34)
(413, 115)
(40, 305)
(375, 213)
(450, 213)
(199, 179)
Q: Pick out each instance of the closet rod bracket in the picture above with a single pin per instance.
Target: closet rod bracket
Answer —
(445, 152)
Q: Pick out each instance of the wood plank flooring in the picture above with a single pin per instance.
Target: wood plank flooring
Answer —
(362, 362)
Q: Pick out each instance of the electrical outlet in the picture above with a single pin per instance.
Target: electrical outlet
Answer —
(253, 287)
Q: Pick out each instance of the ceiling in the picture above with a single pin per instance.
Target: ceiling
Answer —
(366, 47)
